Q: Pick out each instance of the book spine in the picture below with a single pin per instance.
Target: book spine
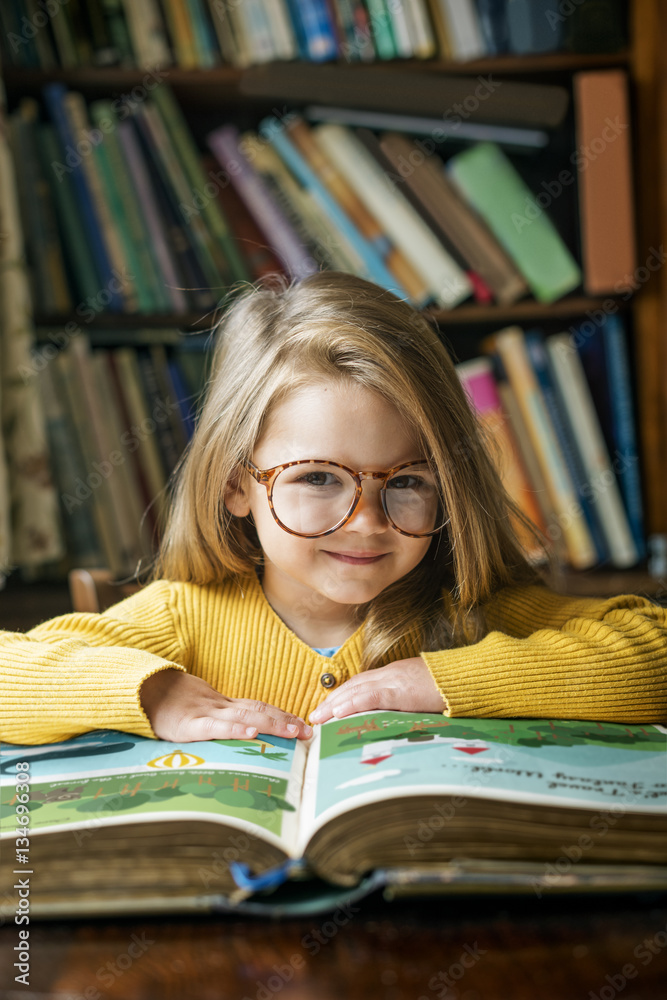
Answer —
(374, 266)
(257, 31)
(464, 229)
(141, 254)
(318, 31)
(447, 283)
(464, 29)
(509, 344)
(223, 143)
(602, 482)
(170, 279)
(184, 147)
(73, 234)
(561, 419)
(477, 379)
(109, 179)
(175, 182)
(626, 457)
(54, 95)
(77, 112)
(180, 31)
(383, 35)
(204, 44)
(148, 34)
(356, 210)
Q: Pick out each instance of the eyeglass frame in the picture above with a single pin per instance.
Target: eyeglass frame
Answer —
(267, 477)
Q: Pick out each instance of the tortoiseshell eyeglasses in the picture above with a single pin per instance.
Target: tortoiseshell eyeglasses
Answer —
(314, 497)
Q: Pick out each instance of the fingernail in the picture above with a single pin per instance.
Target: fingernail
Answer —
(250, 731)
(292, 729)
(316, 715)
(307, 731)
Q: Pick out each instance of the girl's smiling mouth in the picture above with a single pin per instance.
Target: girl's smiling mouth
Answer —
(357, 558)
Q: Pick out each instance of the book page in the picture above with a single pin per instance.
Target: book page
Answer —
(111, 777)
(375, 756)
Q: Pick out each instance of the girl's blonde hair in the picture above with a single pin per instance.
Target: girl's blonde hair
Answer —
(274, 340)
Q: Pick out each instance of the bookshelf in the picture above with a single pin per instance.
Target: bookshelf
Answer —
(225, 93)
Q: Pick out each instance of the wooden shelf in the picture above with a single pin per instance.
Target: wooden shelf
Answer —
(229, 78)
(166, 327)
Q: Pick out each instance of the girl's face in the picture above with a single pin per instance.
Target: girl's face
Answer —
(354, 426)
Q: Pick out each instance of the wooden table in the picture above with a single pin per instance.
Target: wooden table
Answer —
(482, 948)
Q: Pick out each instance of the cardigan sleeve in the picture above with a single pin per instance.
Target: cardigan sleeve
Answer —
(551, 656)
(82, 671)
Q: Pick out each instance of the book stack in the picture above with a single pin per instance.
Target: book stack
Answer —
(117, 422)
(203, 34)
(558, 414)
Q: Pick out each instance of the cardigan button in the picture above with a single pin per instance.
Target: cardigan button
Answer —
(327, 680)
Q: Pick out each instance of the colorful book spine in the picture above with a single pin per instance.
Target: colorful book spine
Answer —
(141, 179)
(55, 95)
(604, 491)
(315, 29)
(448, 284)
(625, 455)
(478, 381)
(561, 420)
(374, 265)
(228, 257)
(510, 346)
(224, 144)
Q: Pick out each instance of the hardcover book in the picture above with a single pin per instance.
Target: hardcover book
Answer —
(116, 822)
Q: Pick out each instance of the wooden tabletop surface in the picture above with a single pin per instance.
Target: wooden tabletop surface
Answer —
(483, 948)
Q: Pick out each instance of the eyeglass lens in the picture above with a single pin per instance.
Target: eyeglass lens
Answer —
(312, 498)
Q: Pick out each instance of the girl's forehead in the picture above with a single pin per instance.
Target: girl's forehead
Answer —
(334, 420)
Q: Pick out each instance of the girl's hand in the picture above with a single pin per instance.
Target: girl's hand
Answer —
(183, 708)
(405, 685)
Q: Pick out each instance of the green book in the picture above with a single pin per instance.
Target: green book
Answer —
(383, 35)
(75, 242)
(127, 208)
(185, 148)
(489, 182)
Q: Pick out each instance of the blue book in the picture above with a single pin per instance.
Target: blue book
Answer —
(558, 413)
(534, 26)
(316, 34)
(54, 94)
(371, 255)
(493, 22)
(624, 452)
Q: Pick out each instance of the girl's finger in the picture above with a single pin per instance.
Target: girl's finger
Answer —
(263, 720)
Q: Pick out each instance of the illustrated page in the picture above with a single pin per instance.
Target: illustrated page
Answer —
(110, 776)
(378, 755)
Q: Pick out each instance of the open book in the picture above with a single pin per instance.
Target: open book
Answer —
(120, 823)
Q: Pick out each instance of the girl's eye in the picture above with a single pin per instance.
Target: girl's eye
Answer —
(317, 479)
(405, 483)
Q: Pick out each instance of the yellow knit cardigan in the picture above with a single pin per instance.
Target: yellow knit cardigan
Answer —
(546, 655)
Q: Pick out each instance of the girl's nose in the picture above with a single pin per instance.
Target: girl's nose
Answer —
(369, 514)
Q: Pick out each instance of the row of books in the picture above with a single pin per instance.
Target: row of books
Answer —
(131, 217)
(206, 33)
(558, 414)
(117, 422)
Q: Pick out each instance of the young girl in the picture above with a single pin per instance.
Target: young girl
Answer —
(338, 542)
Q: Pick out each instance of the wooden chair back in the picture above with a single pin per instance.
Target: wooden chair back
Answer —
(95, 589)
